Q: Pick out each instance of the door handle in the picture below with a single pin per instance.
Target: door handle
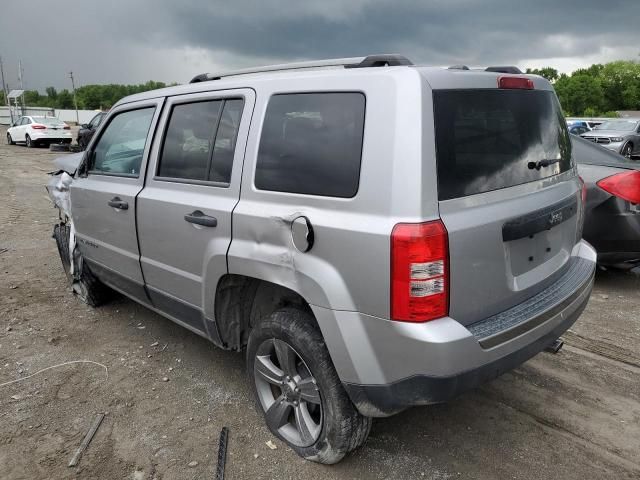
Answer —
(116, 202)
(200, 218)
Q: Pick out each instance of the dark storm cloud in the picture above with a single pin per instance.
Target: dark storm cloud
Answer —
(431, 31)
(139, 40)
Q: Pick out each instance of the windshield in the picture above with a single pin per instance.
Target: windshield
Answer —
(622, 125)
(492, 139)
(48, 120)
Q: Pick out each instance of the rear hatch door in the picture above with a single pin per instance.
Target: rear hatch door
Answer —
(508, 195)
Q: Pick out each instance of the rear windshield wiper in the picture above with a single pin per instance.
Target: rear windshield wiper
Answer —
(545, 162)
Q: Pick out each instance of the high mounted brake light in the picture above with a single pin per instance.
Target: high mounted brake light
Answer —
(515, 83)
(419, 271)
(623, 185)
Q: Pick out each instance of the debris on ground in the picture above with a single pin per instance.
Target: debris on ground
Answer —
(193, 464)
(271, 445)
(222, 453)
(87, 439)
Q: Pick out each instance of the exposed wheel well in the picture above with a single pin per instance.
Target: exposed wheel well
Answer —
(241, 302)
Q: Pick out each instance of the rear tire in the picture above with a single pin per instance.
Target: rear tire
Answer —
(10, 140)
(29, 142)
(84, 283)
(327, 423)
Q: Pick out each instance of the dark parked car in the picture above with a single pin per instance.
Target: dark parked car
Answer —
(612, 222)
(88, 129)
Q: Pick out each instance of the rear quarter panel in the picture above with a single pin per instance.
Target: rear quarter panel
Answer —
(348, 266)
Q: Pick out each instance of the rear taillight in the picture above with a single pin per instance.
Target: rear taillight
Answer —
(419, 271)
(38, 127)
(515, 82)
(67, 127)
(623, 185)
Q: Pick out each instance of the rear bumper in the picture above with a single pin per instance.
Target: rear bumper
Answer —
(53, 137)
(388, 366)
(614, 231)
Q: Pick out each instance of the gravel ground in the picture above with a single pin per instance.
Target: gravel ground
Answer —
(571, 415)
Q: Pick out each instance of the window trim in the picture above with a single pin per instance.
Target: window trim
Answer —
(310, 195)
(206, 183)
(155, 107)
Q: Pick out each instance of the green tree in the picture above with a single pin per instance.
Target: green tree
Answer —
(577, 93)
(64, 100)
(52, 93)
(549, 73)
(621, 84)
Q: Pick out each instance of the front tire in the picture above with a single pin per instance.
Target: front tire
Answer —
(298, 390)
(627, 150)
(10, 140)
(84, 283)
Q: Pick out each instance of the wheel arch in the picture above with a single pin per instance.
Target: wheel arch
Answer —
(242, 301)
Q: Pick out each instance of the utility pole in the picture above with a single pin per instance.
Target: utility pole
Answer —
(5, 91)
(75, 102)
(21, 82)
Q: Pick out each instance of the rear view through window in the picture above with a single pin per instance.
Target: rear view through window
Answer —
(312, 143)
(492, 139)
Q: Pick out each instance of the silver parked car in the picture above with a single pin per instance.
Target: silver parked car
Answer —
(621, 136)
(376, 235)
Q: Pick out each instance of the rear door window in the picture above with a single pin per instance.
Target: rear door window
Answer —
(200, 141)
(311, 144)
(492, 139)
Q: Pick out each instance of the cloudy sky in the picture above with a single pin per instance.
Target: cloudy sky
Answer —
(132, 41)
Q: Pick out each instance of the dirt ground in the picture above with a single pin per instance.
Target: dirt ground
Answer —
(574, 415)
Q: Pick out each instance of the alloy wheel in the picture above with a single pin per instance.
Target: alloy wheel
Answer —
(288, 393)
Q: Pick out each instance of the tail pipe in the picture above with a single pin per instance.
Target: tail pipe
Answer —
(555, 346)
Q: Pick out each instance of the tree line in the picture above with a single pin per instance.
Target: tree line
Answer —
(599, 90)
(89, 97)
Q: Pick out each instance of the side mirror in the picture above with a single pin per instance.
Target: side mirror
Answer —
(84, 125)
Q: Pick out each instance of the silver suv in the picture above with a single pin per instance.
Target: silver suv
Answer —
(376, 235)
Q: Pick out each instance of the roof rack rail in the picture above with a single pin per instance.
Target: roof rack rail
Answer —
(503, 69)
(356, 62)
(382, 61)
(458, 67)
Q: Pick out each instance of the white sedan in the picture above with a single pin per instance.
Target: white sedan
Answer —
(33, 131)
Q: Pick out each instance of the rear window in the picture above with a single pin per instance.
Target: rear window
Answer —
(492, 139)
(48, 120)
(311, 144)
